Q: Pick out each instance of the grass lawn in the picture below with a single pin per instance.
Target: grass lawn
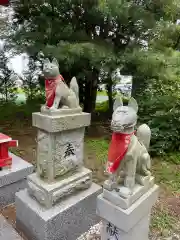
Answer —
(20, 90)
(102, 93)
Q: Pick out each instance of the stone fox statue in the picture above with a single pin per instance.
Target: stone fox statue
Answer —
(128, 151)
(58, 94)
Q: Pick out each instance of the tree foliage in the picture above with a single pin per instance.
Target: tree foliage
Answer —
(160, 105)
(31, 80)
(88, 36)
(7, 84)
(91, 39)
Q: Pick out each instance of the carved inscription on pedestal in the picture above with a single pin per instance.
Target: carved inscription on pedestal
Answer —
(65, 159)
(112, 232)
(68, 152)
(62, 152)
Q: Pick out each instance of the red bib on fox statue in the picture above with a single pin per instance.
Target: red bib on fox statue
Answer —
(4, 2)
(50, 88)
(117, 150)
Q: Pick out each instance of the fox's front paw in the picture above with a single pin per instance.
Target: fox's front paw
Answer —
(129, 182)
(43, 108)
(148, 173)
(109, 185)
(52, 109)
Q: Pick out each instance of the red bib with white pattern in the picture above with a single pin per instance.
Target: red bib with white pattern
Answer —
(50, 88)
(117, 150)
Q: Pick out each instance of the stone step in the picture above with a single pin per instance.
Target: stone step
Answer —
(7, 232)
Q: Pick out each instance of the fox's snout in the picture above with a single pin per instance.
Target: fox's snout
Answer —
(115, 124)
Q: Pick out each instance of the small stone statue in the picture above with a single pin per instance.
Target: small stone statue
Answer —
(128, 156)
(58, 94)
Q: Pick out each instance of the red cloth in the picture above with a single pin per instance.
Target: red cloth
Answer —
(5, 143)
(117, 150)
(50, 87)
(4, 138)
(4, 2)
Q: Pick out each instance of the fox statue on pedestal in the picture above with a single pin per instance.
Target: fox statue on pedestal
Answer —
(58, 94)
(128, 155)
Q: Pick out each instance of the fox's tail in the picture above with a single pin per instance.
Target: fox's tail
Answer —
(144, 135)
(75, 87)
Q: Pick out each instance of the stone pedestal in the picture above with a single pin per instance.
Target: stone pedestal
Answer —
(67, 220)
(60, 143)
(50, 194)
(13, 179)
(127, 219)
(60, 201)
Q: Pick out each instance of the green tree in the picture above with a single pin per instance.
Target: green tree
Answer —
(88, 36)
(7, 84)
(31, 84)
(160, 106)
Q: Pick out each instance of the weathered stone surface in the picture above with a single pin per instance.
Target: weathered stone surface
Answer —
(7, 232)
(61, 122)
(139, 231)
(48, 194)
(59, 153)
(13, 180)
(124, 203)
(61, 111)
(127, 220)
(65, 221)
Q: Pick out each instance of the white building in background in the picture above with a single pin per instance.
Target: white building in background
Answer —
(124, 83)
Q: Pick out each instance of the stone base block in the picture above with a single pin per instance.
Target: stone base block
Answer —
(13, 179)
(115, 198)
(48, 194)
(7, 232)
(139, 232)
(128, 224)
(65, 221)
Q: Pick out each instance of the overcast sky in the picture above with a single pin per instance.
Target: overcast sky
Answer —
(18, 63)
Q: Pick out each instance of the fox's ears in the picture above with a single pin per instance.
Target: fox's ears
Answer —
(119, 103)
(46, 61)
(54, 61)
(133, 104)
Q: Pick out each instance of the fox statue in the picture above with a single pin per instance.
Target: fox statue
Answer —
(128, 155)
(58, 94)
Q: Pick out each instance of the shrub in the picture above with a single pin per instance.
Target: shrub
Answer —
(13, 112)
(102, 107)
(162, 113)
